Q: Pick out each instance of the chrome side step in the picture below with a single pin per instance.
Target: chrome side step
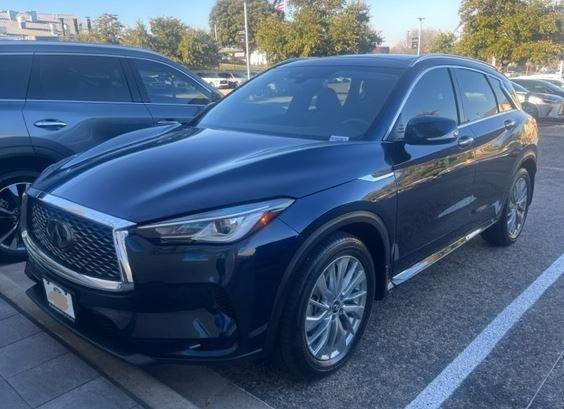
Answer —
(410, 272)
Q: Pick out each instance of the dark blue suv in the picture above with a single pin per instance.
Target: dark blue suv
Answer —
(57, 99)
(270, 223)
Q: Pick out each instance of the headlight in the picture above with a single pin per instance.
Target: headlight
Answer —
(217, 226)
(535, 100)
(547, 99)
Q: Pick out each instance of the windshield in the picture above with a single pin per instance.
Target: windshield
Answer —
(320, 102)
(558, 83)
(518, 87)
(552, 86)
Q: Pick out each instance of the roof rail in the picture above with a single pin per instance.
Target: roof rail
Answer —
(457, 57)
(290, 60)
(48, 43)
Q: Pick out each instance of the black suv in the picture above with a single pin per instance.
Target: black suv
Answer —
(57, 99)
(272, 222)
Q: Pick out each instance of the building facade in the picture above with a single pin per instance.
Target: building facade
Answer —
(33, 25)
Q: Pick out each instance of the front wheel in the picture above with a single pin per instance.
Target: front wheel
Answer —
(328, 308)
(13, 184)
(531, 110)
(509, 227)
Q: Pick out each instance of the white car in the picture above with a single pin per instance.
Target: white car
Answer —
(552, 78)
(540, 106)
(215, 79)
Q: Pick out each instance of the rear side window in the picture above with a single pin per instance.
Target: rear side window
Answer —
(166, 85)
(503, 102)
(14, 76)
(432, 95)
(477, 95)
(78, 78)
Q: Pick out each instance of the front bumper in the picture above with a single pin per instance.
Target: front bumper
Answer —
(188, 303)
(554, 111)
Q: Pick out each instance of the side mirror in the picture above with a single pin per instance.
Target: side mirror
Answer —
(430, 130)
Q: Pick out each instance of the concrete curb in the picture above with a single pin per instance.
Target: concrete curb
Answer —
(138, 383)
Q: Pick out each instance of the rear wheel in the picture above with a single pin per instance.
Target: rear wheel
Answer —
(13, 184)
(508, 228)
(328, 308)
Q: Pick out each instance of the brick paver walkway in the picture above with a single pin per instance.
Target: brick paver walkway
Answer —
(37, 371)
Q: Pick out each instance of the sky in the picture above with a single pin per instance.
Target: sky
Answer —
(393, 17)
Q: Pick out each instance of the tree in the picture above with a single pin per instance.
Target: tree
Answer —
(273, 36)
(105, 29)
(227, 19)
(167, 34)
(309, 36)
(137, 36)
(322, 7)
(510, 30)
(443, 43)
(350, 31)
(198, 50)
(318, 28)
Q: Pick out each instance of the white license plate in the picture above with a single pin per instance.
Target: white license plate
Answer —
(59, 299)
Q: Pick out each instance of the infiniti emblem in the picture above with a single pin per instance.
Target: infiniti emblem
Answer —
(59, 234)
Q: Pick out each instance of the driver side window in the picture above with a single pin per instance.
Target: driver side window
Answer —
(433, 95)
(165, 85)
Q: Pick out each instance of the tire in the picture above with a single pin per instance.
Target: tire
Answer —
(297, 355)
(531, 110)
(12, 186)
(502, 233)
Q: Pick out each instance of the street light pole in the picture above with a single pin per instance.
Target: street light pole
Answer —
(419, 38)
(247, 41)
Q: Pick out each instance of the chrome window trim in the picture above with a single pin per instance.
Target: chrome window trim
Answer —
(109, 102)
(119, 233)
(465, 124)
(416, 81)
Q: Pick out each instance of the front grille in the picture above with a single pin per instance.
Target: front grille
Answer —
(91, 252)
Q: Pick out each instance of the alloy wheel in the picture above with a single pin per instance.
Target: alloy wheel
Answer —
(517, 207)
(10, 220)
(336, 307)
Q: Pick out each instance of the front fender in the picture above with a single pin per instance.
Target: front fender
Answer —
(356, 202)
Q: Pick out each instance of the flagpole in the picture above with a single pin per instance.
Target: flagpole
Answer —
(247, 41)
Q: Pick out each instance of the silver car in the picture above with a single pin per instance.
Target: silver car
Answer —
(540, 106)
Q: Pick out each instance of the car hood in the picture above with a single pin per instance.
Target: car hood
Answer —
(548, 97)
(167, 172)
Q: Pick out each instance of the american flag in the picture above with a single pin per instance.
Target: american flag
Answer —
(280, 5)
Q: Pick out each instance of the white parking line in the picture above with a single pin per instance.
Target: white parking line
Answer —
(454, 374)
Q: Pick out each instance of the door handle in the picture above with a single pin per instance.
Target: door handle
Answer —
(50, 123)
(509, 124)
(465, 141)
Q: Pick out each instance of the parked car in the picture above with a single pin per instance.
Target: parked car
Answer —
(552, 78)
(272, 223)
(236, 78)
(539, 86)
(79, 95)
(214, 79)
(540, 106)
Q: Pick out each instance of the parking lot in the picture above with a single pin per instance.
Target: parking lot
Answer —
(426, 325)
